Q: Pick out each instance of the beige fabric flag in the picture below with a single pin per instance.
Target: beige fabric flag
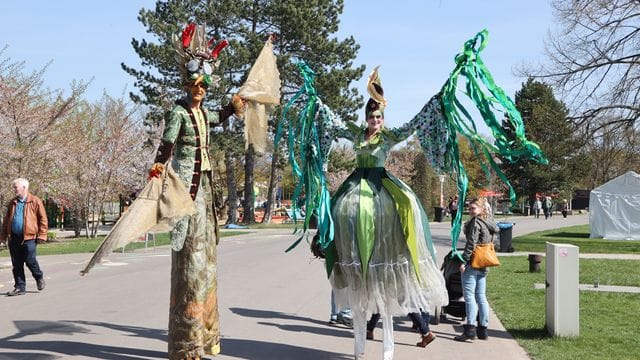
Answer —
(163, 201)
(262, 92)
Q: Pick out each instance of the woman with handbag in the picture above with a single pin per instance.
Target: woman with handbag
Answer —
(479, 232)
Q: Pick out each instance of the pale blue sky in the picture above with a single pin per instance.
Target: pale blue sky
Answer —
(414, 41)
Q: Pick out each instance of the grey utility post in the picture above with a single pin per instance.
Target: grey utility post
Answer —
(563, 293)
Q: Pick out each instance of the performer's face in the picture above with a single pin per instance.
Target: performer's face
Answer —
(375, 121)
(197, 92)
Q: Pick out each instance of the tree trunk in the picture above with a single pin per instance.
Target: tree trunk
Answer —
(76, 221)
(249, 201)
(2, 207)
(232, 189)
(96, 216)
(87, 215)
(273, 182)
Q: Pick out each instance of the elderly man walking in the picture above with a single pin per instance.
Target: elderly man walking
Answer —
(25, 223)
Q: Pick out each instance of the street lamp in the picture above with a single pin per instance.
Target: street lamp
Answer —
(441, 190)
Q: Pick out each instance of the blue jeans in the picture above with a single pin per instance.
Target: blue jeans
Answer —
(21, 254)
(474, 289)
(335, 311)
(420, 321)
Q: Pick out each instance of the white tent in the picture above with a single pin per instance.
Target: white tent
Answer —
(614, 208)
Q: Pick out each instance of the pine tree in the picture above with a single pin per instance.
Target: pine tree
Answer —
(303, 30)
(546, 123)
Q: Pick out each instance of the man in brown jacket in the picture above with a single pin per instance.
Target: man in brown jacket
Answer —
(25, 223)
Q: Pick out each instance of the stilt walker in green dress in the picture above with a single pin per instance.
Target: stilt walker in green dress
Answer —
(374, 230)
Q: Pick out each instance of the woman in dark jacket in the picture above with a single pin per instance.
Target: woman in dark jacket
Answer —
(480, 229)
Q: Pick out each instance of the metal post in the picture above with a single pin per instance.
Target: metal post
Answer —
(441, 190)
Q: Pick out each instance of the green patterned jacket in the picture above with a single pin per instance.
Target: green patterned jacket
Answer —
(180, 139)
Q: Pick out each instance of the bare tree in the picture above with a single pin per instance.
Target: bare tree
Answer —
(104, 157)
(401, 163)
(613, 152)
(77, 154)
(595, 62)
(30, 116)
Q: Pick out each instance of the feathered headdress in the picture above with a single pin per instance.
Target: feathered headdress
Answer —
(376, 93)
(196, 56)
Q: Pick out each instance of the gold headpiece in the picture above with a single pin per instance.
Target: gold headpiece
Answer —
(374, 88)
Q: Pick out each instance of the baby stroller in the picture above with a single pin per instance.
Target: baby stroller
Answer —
(453, 281)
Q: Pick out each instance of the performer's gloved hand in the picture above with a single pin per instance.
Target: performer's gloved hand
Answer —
(238, 106)
(316, 248)
(156, 170)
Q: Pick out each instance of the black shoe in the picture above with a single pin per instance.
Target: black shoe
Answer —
(482, 332)
(369, 334)
(468, 334)
(16, 292)
(40, 283)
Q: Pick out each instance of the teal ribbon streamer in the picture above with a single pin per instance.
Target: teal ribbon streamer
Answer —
(306, 158)
(477, 77)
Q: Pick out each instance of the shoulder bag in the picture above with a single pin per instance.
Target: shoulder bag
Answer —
(484, 255)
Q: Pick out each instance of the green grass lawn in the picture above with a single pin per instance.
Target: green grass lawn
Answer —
(575, 235)
(274, 226)
(84, 245)
(608, 321)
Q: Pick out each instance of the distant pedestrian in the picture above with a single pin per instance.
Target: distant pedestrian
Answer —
(25, 224)
(564, 207)
(453, 208)
(547, 207)
(537, 206)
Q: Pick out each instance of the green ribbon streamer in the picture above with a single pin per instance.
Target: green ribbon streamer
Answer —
(470, 66)
(307, 159)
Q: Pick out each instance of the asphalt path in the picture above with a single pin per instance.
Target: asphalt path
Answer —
(273, 305)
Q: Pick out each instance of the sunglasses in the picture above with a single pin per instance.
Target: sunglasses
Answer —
(375, 117)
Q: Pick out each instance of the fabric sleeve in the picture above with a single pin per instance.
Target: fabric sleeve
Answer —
(471, 232)
(172, 123)
(4, 230)
(430, 127)
(331, 128)
(43, 222)
(213, 117)
(221, 115)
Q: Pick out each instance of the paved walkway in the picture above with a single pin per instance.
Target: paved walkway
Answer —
(272, 305)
